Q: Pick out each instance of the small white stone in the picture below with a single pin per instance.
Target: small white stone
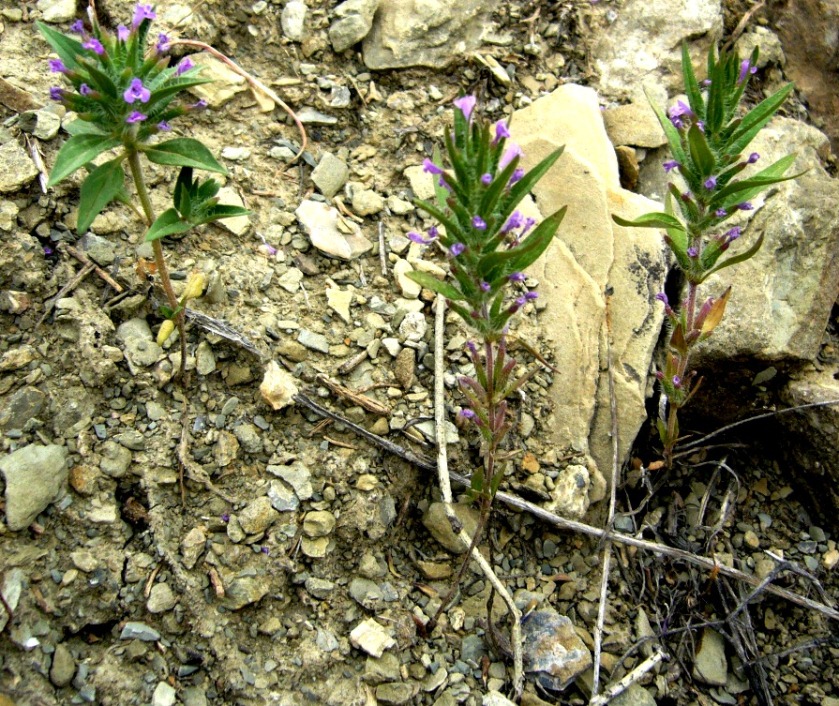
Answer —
(164, 695)
(410, 289)
(371, 637)
(278, 387)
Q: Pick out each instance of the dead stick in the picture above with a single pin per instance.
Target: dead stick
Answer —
(620, 686)
(85, 260)
(572, 525)
(66, 289)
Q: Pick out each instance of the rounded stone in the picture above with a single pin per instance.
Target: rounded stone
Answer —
(161, 598)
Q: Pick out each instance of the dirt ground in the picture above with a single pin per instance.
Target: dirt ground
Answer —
(137, 587)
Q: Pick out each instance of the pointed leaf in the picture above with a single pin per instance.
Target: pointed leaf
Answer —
(66, 47)
(745, 189)
(167, 223)
(100, 187)
(84, 127)
(429, 281)
(674, 138)
(691, 86)
(700, 153)
(736, 258)
(650, 220)
(715, 314)
(220, 212)
(78, 151)
(529, 180)
(183, 152)
(756, 118)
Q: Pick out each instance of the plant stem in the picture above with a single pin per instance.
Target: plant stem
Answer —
(157, 248)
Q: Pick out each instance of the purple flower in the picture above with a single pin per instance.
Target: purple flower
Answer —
(94, 45)
(509, 155)
(706, 82)
(199, 105)
(473, 349)
(501, 132)
(711, 183)
(670, 165)
(720, 213)
(48, 250)
(57, 66)
(520, 302)
(732, 235)
(486, 179)
(485, 286)
(136, 91)
(514, 221)
(431, 168)
(530, 296)
(163, 126)
(185, 65)
(517, 277)
(478, 223)
(753, 157)
(142, 12)
(417, 238)
(225, 517)
(700, 124)
(517, 174)
(77, 27)
(693, 252)
(56, 93)
(662, 297)
(466, 104)
(84, 89)
(467, 413)
(677, 381)
(746, 68)
(677, 112)
(528, 224)
(265, 550)
(745, 206)
(162, 45)
(433, 232)
(456, 249)
(136, 117)
(123, 33)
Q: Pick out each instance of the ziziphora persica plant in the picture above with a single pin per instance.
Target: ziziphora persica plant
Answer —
(707, 138)
(123, 93)
(488, 244)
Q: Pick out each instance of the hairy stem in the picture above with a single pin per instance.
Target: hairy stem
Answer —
(157, 248)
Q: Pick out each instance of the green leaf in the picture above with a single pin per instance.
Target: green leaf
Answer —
(528, 181)
(650, 220)
(78, 151)
(691, 86)
(66, 47)
(451, 226)
(183, 152)
(165, 94)
(182, 196)
(700, 152)
(84, 127)
(441, 194)
(736, 258)
(429, 281)
(100, 187)
(220, 212)
(756, 118)
(738, 191)
(674, 139)
(504, 262)
(167, 223)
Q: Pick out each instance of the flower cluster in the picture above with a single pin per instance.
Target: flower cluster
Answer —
(488, 242)
(116, 83)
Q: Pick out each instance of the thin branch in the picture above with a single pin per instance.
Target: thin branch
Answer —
(620, 686)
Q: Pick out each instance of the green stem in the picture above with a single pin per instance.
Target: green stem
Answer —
(157, 248)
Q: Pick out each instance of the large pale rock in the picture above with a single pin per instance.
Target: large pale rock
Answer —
(35, 476)
(642, 47)
(812, 442)
(782, 297)
(330, 233)
(355, 18)
(224, 82)
(591, 256)
(425, 32)
(16, 169)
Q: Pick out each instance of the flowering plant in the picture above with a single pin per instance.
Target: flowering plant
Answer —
(488, 243)
(707, 138)
(123, 92)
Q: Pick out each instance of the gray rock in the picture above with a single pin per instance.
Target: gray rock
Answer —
(552, 649)
(282, 497)
(161, 598)
(472, 648)
(326, 640)
(8, 215)
(314, 341)
(16, 168)
(99, 249)
(139, 344)
(205, 360)
(12, 586)
(410, 33)
(385, 668)
(57, 11)
(249, 437)
(257, 516)
(43, 124)
(21, 406)
(396, 692)
(366, 202)
(355, 18)
(192, 546)
(437, 523)
(319, 588)
(634, 124)
(298, 476)
(139, 631)
(330, 175)
(244, 590)
(331, 234)
(63, 666)
(310, 116)
(496, 698)
(35, 476)
(164, 695)
(710, 664)
(570, 496)
(366, 593)
(642, 47)
(635, 695)
(293, 20)
(116, 459)
(194, 696)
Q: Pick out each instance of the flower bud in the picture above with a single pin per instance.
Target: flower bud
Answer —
(194, 286)
(167, 328)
